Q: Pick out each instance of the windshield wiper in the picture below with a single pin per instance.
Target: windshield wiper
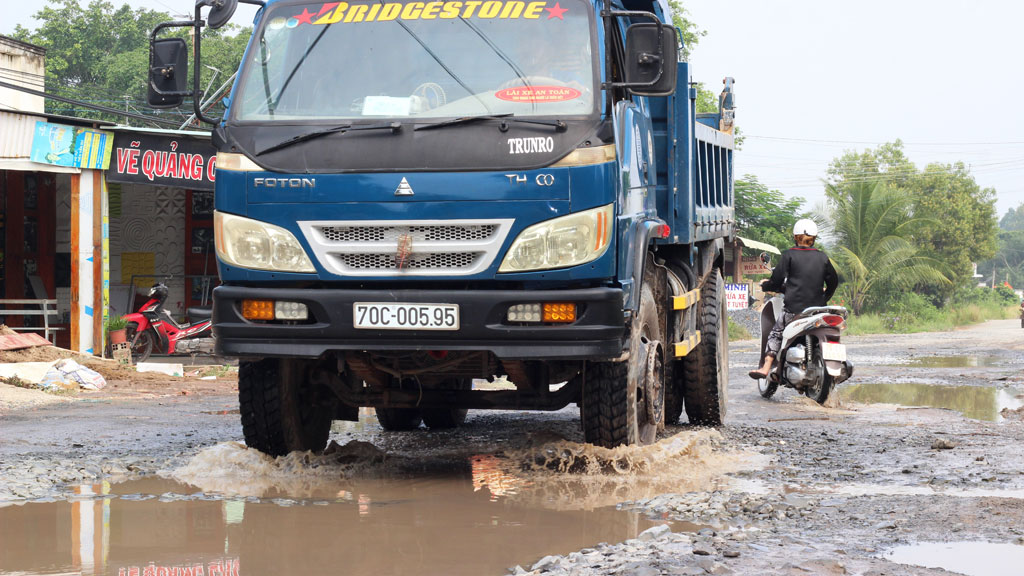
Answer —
(505, 119)
(393, 126)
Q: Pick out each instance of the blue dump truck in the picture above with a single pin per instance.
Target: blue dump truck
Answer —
(413, 195)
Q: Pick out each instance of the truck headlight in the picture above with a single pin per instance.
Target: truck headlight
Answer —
(253, 244)
(562, 242)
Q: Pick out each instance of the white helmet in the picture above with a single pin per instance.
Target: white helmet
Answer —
(806, 227)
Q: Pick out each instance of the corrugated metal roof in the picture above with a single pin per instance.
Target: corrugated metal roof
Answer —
(748, 243)
(16, 134)
(192, 133)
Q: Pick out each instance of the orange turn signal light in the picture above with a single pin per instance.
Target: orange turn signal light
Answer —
(559, 312)
(258, 309)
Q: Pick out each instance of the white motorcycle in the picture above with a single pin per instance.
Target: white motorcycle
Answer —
(811, 359)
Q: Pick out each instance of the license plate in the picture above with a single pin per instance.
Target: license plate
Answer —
(833, 351)
(401, 316)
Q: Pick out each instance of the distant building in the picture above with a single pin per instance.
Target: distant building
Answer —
(22, 64)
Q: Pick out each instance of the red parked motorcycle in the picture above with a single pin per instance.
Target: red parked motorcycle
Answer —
(153, 329)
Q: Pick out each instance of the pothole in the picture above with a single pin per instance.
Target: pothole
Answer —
(970, 558)
(976, 402)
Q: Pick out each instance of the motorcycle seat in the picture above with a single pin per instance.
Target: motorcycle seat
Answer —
(199, 313)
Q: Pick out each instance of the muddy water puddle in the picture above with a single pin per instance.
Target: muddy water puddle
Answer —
(970, 558)
(954, 362)
(436, 525)
(977, 402)
(357, 509)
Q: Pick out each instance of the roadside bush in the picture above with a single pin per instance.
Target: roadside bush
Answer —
(1006, 295)
(738, 331)
(913, 312)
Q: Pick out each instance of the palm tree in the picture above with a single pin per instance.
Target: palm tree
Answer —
(871, 226)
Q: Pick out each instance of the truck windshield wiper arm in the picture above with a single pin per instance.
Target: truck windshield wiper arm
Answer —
(505, 119)
(393, 126)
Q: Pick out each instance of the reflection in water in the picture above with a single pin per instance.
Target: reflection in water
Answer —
(970, 558)
(437, 525)
(358, 510)
(980, 403)
(953, 362)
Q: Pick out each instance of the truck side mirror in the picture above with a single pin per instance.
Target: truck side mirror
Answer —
(168, 72)
(221, 12)
(649, 63)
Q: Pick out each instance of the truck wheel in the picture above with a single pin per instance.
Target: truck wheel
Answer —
(282, 411)
(707, 367)
(614, 408)
(398, 419)
(674, 390)
(442, 418)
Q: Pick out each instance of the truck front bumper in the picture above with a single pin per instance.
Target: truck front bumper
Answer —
(597, 333)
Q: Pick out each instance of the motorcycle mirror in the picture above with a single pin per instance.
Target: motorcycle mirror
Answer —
(766, 259)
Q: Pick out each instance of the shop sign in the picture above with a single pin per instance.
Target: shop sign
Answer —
(750, 266)
(736, 296)
(179, 161)
(71, 146)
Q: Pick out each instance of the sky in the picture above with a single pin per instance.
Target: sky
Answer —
(815, 78)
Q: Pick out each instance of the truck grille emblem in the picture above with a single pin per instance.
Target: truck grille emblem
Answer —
(403, 188)
(404, 251)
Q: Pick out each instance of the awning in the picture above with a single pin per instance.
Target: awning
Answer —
(26, 165)
(748, 243)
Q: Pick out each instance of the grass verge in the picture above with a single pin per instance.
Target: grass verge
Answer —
(941, 321)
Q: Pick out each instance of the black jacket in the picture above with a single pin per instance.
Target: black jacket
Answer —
(805, 276)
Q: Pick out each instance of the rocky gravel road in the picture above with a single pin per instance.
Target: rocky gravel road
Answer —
(786, 487)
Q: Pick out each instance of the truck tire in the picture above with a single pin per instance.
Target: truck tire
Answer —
(444, 418)
(674, 390)
(282, 411)
(707, 367)
(398, 419)
(613, 410)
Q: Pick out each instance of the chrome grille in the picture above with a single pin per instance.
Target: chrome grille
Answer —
(418, 233)
(448, 260)
(435, 247)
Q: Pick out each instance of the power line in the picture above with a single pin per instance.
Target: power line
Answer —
(96, 107)
(822, 141)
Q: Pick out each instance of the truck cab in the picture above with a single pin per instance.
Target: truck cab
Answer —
(411, 196)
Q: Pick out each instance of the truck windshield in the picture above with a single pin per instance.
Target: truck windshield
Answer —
(419, 60)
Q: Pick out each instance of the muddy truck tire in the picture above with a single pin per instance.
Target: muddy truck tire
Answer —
(282, 411)
(398, 419)
(706, 368)
(445, 418)
(613, 411)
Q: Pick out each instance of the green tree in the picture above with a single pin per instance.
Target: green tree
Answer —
(961, 225)
(872, 226)
(690, 33)
(1013, 219)
(100, 53)
(887, 163)
(966, 231)
(1008, 263)
(766, 215)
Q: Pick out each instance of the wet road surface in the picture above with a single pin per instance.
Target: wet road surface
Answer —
(116, 486)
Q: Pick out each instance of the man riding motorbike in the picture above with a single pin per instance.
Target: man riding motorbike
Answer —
(806, 278)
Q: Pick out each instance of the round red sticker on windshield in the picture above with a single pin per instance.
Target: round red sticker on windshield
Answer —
(538, 94)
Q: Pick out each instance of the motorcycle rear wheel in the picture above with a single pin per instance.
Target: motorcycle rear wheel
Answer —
(820, 389)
